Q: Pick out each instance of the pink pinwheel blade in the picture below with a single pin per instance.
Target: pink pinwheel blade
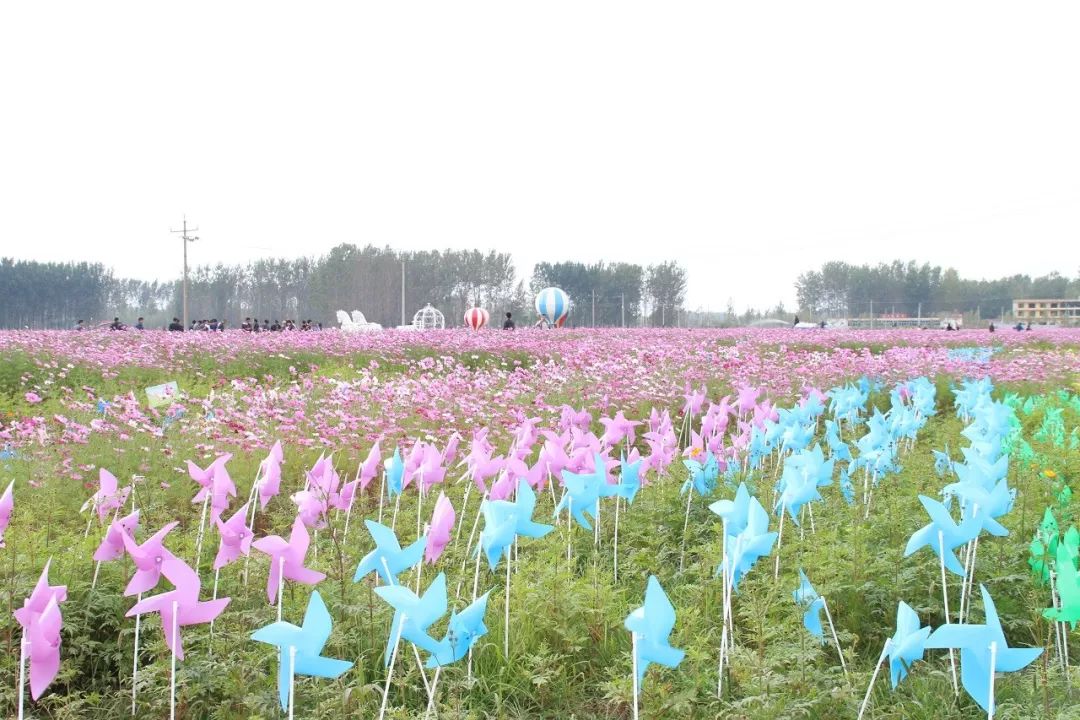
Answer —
(44, 650)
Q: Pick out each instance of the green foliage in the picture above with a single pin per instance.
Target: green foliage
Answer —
(569, 652)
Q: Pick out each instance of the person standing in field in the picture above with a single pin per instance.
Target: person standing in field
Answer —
(508, 324)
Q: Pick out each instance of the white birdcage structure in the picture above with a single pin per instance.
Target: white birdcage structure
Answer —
(428, 318)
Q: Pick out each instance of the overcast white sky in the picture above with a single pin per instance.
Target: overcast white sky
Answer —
(750, 141)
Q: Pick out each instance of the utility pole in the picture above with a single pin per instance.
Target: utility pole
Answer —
(185, 239)
(594, 308)
(871, 314)
(403, 292)
(622, 303)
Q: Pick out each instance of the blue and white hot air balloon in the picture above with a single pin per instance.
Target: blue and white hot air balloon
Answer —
(553, 305)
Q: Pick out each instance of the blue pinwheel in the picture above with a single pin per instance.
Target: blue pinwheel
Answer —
(906, 646)
(752, 543)
(524, 504)
(806, 596)
(583, 492)
(847, 489)
(735, 512)
(952, 535)
(629, 480)
(464, 630)
(413, 615)
(702, 475)
(803, 474)
(942, 461)
(982, 504)
(395, 474)
(838, 449)
(388, 559)
(307, 642)
(974, 643)
(505, 520)
(498, 533)
(651, 625)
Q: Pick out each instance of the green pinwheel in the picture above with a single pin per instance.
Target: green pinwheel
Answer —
(1068, 582)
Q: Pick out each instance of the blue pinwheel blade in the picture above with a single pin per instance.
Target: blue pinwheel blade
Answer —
(411, 555)
(278, 633)
(666, 655)
(812, 619)
(317, 623)
(384, 537)
(318, 666)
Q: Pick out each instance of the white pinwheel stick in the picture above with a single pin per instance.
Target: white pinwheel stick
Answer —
(945, 599)
(873, 678)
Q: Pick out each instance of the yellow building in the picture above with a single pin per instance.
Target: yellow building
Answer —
(1054, 312)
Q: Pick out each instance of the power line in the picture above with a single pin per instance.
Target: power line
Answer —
(185, 239)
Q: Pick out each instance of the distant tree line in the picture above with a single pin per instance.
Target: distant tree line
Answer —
(369, 279)
(839, 289)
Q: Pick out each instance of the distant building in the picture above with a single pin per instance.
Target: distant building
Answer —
(1059, 311)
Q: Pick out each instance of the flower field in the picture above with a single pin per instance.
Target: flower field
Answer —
(786, 489)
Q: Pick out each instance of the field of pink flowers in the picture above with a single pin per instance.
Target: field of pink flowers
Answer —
(331, 389)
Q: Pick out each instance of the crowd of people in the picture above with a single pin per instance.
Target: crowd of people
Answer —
(212, 325)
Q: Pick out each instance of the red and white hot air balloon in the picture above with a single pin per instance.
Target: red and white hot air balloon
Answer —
(476, 318)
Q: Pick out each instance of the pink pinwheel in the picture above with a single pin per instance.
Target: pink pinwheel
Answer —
(696, 446)
(287, 559)
(479, 448)
(526, 433)
(215, 483)
(204, 476)
(180, 605)
(693, 400)
(515, 468)
(747, 399)
(449, 453)
(235, 538)
(571, 418)
(584, 440)
(7, 505)
(502, 488)
(430, 471)
(107, 498)
(536, 477)
(344, 499)
(617, 428)
(661, 450)
(270, 475)
(724, 408)
(314, 501)
(311, 508)
(112, 545)
(553, 454)
(148, 559)
(323, 478)
(483, 469)
(43, 647)
(413, 461)
(370, 469)
(442, 522)
(40, 598)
